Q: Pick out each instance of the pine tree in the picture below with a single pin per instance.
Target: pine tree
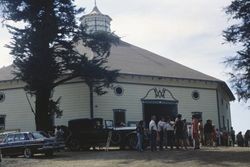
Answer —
(239, 34)
(43, 49)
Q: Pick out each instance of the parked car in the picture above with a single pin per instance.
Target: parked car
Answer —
(28, 144)
(86, 133)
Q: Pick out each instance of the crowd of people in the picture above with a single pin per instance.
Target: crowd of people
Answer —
(243, 140)
(178, 133)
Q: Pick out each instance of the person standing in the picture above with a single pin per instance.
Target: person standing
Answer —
(161, 125)
(185, 133)
(218, 137)
(214, 138)
(240, 139)
(153, 133)
(232, 134)
(208, 129)
(179, 131)
(59, 134)
(201, 132)
(195, 132)
(170, 133)
(140, 133)
(247, 138)
(190, 139)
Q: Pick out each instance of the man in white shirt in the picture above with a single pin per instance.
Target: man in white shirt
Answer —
(161, 131)
(170, 133)
(153, 133)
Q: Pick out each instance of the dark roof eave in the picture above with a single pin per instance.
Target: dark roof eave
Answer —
(9, 80)
(204, 80)
(224, 85)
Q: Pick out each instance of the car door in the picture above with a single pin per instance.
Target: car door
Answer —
(19, 143)
(99, 135)
(9, 145)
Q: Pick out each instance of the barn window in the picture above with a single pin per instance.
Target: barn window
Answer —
(195, 95)
(2, 122)
(119, 117)
(118, 90)
(2, 97)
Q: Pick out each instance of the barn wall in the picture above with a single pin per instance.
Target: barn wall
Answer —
(75, 100)
(224, 109)
(17, 110)
(131, 102)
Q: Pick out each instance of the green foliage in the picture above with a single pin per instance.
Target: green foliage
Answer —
(47, 25)
(54, 108)
(44, 54)
(95, 71)
(239, 33)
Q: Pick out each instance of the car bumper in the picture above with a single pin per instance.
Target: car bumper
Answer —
(55, 148)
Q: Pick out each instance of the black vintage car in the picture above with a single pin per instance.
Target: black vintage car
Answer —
(86, 133)
(28, 144)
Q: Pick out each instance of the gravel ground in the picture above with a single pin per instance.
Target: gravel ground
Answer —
(211, 157)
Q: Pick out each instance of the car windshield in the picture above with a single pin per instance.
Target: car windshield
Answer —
(39, 135)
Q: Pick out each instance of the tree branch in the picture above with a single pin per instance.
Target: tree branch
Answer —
(64, 80)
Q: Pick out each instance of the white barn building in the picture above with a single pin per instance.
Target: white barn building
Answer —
(148, 85)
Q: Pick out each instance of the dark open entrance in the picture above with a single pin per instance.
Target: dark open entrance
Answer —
(159, 109)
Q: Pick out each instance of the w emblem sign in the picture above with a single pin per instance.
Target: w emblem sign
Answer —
(160, 93)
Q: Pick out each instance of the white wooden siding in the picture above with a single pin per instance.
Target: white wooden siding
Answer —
(17, 110)
(224, 109)
(131, 102)
(75, 101)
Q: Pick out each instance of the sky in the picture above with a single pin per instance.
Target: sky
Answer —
(186, 31)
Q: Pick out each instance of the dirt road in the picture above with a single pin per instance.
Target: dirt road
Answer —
(211, 157)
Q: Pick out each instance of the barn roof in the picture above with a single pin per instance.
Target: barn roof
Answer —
(6, 74)
(134, 60)
(130, 59)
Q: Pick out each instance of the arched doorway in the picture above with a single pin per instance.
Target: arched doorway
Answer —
(159, 102)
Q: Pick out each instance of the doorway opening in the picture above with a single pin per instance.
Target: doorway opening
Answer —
(159, 110)
(198, 115)
(119, 117)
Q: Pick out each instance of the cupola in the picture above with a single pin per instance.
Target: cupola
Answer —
(96, 21)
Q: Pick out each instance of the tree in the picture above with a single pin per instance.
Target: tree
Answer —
(44, 49)
(95, 72)
(239, 33)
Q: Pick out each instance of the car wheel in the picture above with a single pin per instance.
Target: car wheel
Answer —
(116, 138)
(74, 145)
(27, 153)
(132, 141)
(49, 153)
